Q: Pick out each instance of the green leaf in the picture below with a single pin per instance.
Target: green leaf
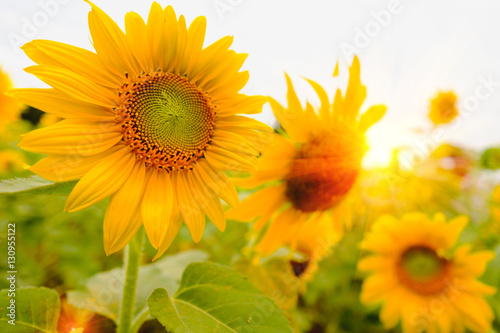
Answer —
(490, 159)
(104, 290)
(214, 298)
(36, 310)
(274, 278)
(35, 185)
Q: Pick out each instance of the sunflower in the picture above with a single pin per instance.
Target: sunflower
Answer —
(310, 170)
(150, 120)
(422, 279)
(451, 160)
(9, 107)
(443, 108)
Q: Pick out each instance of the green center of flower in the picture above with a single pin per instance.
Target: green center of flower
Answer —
(167, 121)
(422, 270)
(324, 170)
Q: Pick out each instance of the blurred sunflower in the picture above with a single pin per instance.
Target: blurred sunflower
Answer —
(443, 108)
(421, 279)
(150, 120)
(10, 161)
(452, 160)
(311, 170)
(9, 107)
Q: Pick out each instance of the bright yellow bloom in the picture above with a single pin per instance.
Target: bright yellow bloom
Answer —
(9, 107)
(451, 160)
(443, 108)
(10, 160)
(421, 279)
(311, 171)
(150, 120)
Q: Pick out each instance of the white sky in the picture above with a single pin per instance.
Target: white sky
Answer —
(426, 46)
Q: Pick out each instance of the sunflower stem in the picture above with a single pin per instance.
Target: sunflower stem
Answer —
(132, 262)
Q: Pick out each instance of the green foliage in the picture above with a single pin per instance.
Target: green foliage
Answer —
(54, 248)
(103, 291)
(35, 185)
(332, 298)
(214, 298)
(490, 159)
(275, 279)
(492, 278)
(37, 310)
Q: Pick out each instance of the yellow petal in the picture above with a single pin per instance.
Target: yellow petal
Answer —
(475, 286)
(336, 70)
(173, 229)
(136, 34)
(376, 287)
(375, 263)
(291, 121)
(209, 59)
(208, 200)
(233, 142)
(155, 30)
(455, 228)
(273, 164)
(72, 58)
(218, 182)
(239, 104)
(194, 43)
(60, 168)
(241, 121)
(225, 160)
(476, 312)
(191, 213)
(169, 42)
(110, 43)
(390, 313)
(227, 78)
(61, 105)
(268, 201)
(103, 180)
(356, 91)
(325, 109)
(280, 232)
(293, 100)
(72, 137)
(157, 206)
(371, 116)
(74, 85)
(122, 218)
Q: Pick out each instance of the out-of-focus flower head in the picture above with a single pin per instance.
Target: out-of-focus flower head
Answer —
(9, 107)
(415, 265)
(451, 159)
(310, 171)
(443, 108)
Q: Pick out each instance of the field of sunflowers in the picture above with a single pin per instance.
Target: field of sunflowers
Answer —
(142, 190)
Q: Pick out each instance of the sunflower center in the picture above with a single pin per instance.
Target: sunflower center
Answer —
(166, 120)
(423, 271)
(324, 170)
